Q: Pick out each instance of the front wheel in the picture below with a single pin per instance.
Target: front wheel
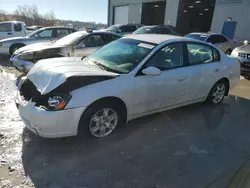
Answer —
(217, 93)
(100, 120)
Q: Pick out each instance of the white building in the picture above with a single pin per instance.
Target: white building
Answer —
(230, 17)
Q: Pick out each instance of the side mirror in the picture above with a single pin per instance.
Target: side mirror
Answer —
(119, 31)
(151, 71)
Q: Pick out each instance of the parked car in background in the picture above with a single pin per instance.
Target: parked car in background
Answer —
(243, 54)
(34, 27)
(79, 44)
(219, 40)
(9, 46)
(123, 29)
(10, 29)
(156, 29)
(131, 77)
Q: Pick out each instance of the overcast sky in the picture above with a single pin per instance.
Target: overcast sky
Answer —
(82, 10)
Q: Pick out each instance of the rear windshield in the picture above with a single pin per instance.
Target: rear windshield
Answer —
(143, 30)
(197, 36)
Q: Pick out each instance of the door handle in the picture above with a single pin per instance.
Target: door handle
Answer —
(9, 33)
(217, 70)
(182, 78)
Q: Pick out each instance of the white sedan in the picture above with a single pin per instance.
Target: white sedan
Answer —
(132, 77)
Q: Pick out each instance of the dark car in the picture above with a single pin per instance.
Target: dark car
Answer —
(156, 29)
(123, 29)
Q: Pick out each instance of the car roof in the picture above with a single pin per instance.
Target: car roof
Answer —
(12, 22)
(59, 27)
(104, 32)
(157, 38)
(208, 34)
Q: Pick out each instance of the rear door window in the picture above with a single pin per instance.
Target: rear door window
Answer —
(128, 28)
(5, 27)
(17, 27)
(62, 32)
(93, 40)
(107, 38)
(165, 30)
(199, 54)
(215, 39)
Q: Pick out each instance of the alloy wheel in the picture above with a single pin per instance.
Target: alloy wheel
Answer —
(103, 122)
(218, 93)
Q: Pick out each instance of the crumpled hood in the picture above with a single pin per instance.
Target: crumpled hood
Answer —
(37, 47)
(13, 38)
(244, 49)
(48, 74)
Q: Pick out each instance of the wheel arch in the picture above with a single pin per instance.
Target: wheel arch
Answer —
(15, 44)
(108, 99)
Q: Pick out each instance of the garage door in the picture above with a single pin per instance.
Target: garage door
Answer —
(121, 15)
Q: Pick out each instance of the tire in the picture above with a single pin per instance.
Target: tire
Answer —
(88, 123)
(216, 95)
(15, 47)
(228, 52)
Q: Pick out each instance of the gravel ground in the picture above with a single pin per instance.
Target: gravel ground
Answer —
(196, 146)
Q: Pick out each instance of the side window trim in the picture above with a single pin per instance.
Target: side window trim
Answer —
(184, 58)
(212, 49)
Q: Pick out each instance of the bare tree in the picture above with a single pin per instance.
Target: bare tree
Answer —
(30, 15)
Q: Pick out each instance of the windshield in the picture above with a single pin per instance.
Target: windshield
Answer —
(197, 36)
(144, 30)
(71, 38)
(112, 28)
(122, 55)
(32, 34)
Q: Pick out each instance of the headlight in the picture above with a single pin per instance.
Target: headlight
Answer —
(235, 53)
(28, 56)
(58, 102)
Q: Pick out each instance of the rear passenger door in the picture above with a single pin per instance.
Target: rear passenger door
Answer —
(203, 69)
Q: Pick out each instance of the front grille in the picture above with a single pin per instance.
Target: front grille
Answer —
(28, 90)
(244, 55)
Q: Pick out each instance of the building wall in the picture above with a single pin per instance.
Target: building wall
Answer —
(239, 10)
(171, 13)
(135, 7)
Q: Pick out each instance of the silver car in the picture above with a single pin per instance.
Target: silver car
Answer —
(220, 41)
(78, 44)
(9, 46)
(243, 54)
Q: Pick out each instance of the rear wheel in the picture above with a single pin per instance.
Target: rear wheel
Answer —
(101, 119)
(217, 93)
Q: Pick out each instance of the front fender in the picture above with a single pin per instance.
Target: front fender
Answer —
(121, 87)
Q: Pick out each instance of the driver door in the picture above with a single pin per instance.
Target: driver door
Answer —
(167, 89)
(89, 45)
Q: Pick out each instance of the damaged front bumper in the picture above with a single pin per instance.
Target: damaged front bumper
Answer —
(21, 65)
(49, 124)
